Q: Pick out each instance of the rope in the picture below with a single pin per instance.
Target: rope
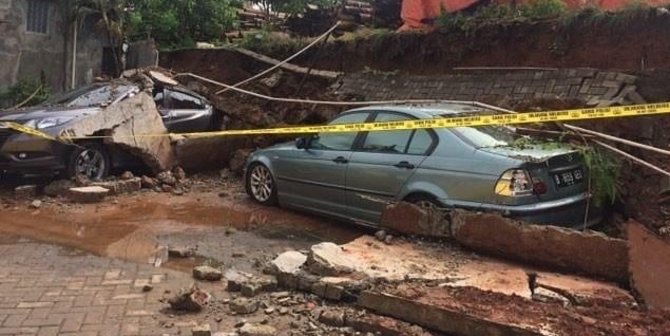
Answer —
(324, 35)
(19, 105)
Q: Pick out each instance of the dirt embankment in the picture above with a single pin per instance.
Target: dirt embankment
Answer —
(629, 43)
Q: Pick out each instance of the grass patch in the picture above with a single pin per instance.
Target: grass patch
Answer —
(30, 92)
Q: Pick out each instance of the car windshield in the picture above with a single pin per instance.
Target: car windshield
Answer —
(486, 136)
(92, 95)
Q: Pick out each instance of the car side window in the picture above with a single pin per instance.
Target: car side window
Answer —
(388, 141)
(339, 141)
(421, 143)
(182, 101)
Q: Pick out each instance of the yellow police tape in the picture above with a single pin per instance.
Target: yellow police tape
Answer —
(451, 122)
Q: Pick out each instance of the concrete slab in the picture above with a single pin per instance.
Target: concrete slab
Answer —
(649, 267)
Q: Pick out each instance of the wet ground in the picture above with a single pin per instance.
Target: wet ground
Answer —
(226, 229)
(223, 224)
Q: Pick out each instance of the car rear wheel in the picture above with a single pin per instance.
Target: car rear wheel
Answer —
(425, 202)
(261, 185)
(90, 160)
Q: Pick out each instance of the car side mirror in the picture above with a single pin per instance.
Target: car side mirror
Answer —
(301, 143)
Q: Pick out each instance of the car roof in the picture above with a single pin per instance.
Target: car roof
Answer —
(428, 111)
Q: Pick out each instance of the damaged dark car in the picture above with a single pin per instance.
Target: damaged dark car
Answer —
(181, 110)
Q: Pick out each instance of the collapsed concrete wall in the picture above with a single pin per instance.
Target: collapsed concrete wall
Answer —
(136, 115)
(589, 252)
(649, 267)
(501, 87)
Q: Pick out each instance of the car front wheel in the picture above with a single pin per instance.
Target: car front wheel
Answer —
(261, 185)
(89, 160)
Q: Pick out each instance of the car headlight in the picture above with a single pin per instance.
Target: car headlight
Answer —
(47, 122)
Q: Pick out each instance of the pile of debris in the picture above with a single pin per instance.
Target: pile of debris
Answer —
(83, 190)
(333, 288)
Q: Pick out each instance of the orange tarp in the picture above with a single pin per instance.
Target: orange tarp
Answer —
(415, 12)
(418, 13)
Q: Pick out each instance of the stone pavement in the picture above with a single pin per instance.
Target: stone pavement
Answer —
(49, 290)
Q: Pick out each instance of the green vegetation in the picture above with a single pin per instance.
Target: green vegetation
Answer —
(276, 44)
(603, 168)
(291, 7)
(604, 172)
(26, 92)
(500, 14)
(181, 23)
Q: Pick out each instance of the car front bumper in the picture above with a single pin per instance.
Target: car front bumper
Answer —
(27, 154)
(569, 211)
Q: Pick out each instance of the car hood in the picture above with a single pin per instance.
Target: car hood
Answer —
(530, 153)
(40, 112)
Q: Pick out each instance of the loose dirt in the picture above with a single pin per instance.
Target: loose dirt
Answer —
(553, 318)
(629, 43)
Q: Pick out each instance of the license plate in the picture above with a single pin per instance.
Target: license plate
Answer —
(569, 177)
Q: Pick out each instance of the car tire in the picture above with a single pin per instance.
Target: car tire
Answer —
(89, 159)
(260, 184)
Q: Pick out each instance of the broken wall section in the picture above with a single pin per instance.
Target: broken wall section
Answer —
(589, 252)
(500, 87)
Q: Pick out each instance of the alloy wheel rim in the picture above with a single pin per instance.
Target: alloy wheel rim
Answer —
(261, 183)
(90, 163)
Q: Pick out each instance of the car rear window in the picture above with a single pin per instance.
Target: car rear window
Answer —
(486, 136)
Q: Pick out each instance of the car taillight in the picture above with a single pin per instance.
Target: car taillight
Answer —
(539, 187)
(515, 182)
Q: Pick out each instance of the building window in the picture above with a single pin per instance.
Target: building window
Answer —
(37, 20)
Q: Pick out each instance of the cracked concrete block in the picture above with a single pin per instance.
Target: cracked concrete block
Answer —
(588, 252)
(648, 266)
(409, 219)
(288, 263)
(121, 186)
(25, 192)
(87, 194)
(329, 259)
(122, 121)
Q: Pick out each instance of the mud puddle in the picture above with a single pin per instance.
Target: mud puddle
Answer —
(127, 227)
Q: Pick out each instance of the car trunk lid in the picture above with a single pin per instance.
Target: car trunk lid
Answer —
(561, 169)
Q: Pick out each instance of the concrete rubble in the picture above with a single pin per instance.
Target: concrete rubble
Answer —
(181, 251)
(207, 273)
(91, 194)
(328, 259)
(244, 306)
(287, 262)
(385, 285)
(25, 192)
(122, 186)
(249, 329)
(190, 300)
(202, 330)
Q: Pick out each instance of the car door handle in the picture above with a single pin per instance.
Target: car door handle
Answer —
(340, 159)
(404, 164)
